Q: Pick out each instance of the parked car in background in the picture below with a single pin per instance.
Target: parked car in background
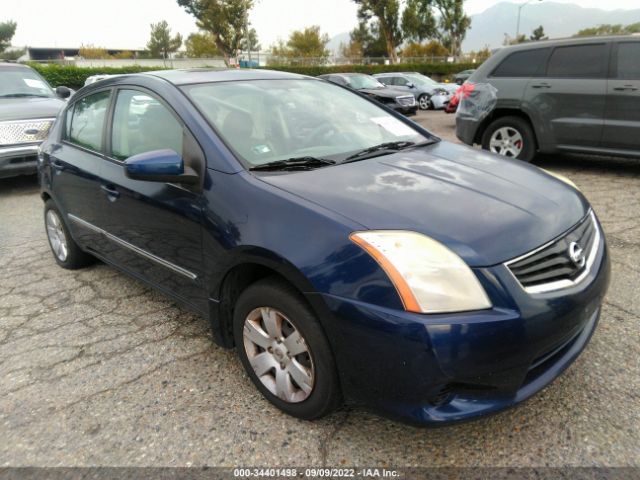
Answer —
(429, 93)
(573, 95)
(346, 252)
(462, 77)
(28, 107)
(397, 99)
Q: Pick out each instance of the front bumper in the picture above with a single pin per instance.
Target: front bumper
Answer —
(18, 160)
(432, 369)
(405, 110)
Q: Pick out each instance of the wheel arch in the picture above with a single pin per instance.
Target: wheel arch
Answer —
(500, 113)
(247, 267)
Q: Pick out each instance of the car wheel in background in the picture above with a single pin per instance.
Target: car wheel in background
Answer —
(510, 137)
(65, 250)
(284, 350)
(424, 102)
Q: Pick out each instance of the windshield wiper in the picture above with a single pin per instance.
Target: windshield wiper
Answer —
(296, 163)
(378, 149)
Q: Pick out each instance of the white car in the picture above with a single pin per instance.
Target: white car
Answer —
(429, 93)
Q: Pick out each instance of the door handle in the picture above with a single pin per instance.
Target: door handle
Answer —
(541, 85)
(57, 165)
(626, 88)
(111, 192)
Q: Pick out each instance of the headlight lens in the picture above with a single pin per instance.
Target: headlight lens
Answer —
(428, 276)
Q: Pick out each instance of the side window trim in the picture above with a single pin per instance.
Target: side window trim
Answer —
(111, 115)
(71, 108)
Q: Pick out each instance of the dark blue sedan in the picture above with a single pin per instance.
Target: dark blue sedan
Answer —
(346, 252)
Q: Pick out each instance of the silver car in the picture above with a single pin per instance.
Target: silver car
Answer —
(429, 93)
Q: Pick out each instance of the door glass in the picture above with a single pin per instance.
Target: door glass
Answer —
(629, 61)
(578, 61)
(522, 64)
(88, 120)
(401, 82)
(141, 123)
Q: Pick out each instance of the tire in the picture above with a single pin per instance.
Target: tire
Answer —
(264, 299)
(511, 129)
(65, 250)
(424, 102)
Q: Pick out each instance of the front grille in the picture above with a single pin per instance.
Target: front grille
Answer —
(408, 101)
(24, 131)
(559, 264)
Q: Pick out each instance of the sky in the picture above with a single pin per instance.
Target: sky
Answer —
(122, 24)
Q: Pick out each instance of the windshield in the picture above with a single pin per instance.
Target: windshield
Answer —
(421, 80)
(23, 82)
(268, 120)
(359, 82)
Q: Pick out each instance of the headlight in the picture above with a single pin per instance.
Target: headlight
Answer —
(562, 178)
(428, 276)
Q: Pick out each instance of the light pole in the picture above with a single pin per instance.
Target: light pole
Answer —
(520, 7)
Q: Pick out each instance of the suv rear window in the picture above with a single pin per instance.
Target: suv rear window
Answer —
(628, 61)
(522, 64)
(578, 61)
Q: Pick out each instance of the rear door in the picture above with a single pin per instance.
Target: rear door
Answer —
(154, 228)
(569, 100)
(76, 164)
(622, 118)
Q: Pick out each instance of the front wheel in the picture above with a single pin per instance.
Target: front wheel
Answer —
(424, 102)
(284, 350)
(510, 137)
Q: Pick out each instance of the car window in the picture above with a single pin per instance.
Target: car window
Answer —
(578, 61)
(387, 80)
(19, 81)
(522, 64)
(270, 120)
(141, 123)
(87, 121)
(628, 61)
(400, 81)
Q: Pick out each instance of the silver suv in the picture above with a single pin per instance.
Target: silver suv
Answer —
(28, 107)
(573, 95)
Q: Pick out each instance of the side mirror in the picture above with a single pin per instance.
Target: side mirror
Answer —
(159, 166)
(411, 85)
(63, 92)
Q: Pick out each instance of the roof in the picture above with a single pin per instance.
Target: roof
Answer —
(12, 65)
(206, 75)
(568, 41)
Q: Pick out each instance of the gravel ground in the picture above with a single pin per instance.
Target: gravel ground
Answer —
(96, 369)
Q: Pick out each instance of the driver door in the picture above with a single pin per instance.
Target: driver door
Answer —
(154, 227)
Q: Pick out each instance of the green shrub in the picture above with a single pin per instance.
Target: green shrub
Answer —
(74, 77)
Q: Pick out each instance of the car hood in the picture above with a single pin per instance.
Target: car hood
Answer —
(449, 87)
(26, 108)
(485, 208)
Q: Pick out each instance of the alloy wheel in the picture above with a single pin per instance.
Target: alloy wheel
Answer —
(278, 354)
(424, 102)
(57, 237)
(506, 141)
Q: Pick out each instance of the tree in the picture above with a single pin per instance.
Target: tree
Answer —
(201, 45)
(453, 24)
(250, 41)
(307, 43)
(607, 29)
(161, 44)
(432, 49)
(226, 20)
(538, 34)
(7, 31)
(368, 38)
(418, 22)
(387, 16)
(91, 52)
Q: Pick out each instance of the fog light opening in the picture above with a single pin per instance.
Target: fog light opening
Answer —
(442, 396)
